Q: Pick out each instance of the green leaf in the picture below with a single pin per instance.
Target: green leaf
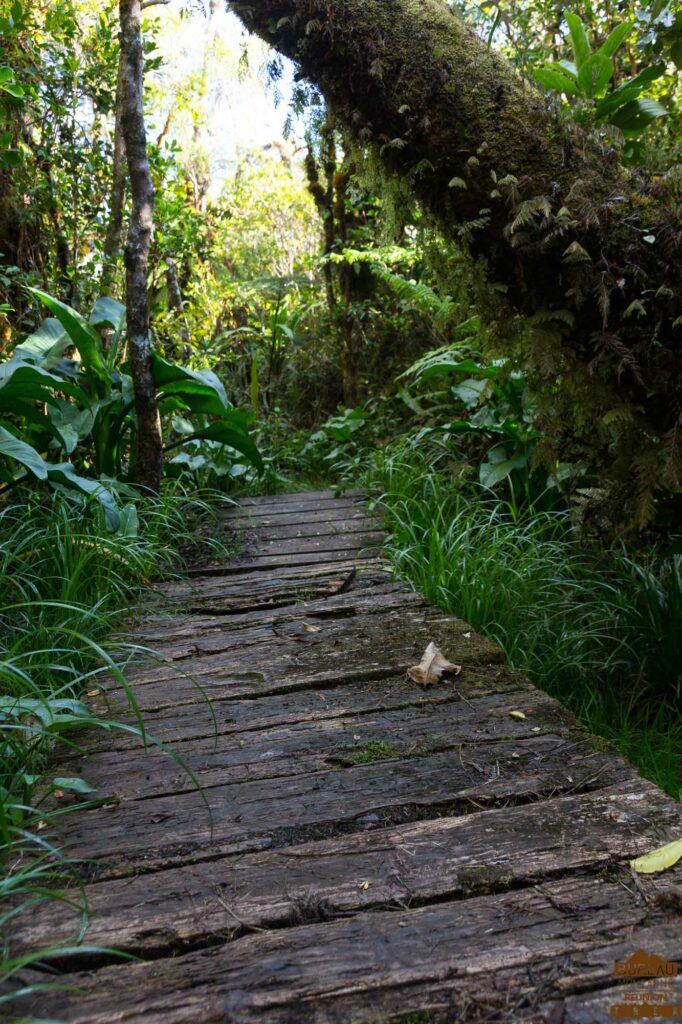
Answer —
(594, 75)
(580, 39)
(108, 313)
(557, 81)
(615, 39)
(638, 114)
(13, 448)
(629, 90)
(49, 336)
(83, 336)
(6, 75)
(225, 434)
(658, 860)
(66, 475)
(170, 379)
(492, 473)
(75, 785)
(32, 383)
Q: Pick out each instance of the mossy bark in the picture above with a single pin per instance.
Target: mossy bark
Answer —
(590, 252)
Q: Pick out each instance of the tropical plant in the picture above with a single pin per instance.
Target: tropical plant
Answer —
(83, 407)
(587, 82)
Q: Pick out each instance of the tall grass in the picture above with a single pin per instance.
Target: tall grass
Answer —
(66, 583)
(601, 631)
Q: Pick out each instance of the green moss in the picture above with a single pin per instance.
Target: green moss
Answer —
(375, 750)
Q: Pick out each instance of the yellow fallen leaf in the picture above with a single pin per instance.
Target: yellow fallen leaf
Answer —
(431, 667)
(94, 693)
(658, 860)
(307, 628)
(517, 714)
(364, 886)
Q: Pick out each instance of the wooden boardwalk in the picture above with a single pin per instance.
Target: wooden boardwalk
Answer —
(375, 851)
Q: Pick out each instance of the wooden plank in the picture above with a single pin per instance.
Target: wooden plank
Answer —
(390, 640)
(248, 590)
(361, 694)
(497, 850)
(498, 953)
(314, 745)
(326, 543)
(360, 556)
(169, 627)
(336, 514)
(167, 830)
(343, 527)
(303, 498)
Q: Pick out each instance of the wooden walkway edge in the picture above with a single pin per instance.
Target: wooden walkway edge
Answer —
(366, 850)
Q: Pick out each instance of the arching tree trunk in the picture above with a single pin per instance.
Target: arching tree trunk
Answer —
(149, 449)
(590, 253)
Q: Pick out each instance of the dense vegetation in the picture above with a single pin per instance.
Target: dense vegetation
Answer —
(466, 301)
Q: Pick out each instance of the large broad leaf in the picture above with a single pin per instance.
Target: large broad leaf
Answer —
(594, 75)
(615, 39)
(580, 39)
(471, 391)
(444, 366)
(629, 90)
(84, 337)
(49, 340)
(29, 383)
(65, 475)
(557, 81)
(638, 114)
(13, 448)
(492, 472)
(172, 379)
(108, 313)
(225, 434)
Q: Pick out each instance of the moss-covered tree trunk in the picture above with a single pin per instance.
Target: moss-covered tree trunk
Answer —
(590, 253)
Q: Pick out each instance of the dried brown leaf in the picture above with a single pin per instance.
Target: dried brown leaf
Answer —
(431, 667)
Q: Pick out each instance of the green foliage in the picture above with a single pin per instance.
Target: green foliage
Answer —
(88, 406)
(496, 420)
(588, 77)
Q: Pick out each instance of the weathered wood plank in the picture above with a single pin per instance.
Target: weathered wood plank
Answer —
(171, 829)
(318, 744)
(388, 641)
(249, 590)
(327, 543)
(159, 627)
(338, 513)
(303, 498)
(361, 556)
(406, 865)
(498, 952)
(361, 694)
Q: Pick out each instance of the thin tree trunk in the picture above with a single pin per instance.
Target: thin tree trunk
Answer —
(149, 445)
(114, 235)
(590, 253)
(176, 302)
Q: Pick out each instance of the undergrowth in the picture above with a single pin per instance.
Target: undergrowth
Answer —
(600, 630)
(66, 585)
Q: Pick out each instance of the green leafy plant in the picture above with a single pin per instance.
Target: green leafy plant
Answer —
(587, 82)
(496, 417)
(84, 407)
